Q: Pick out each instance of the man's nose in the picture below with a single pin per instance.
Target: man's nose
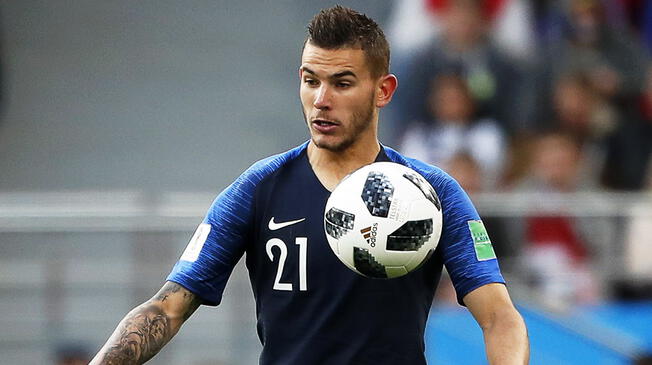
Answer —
(323, 98)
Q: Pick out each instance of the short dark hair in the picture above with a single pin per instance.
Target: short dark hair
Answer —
(341, 27)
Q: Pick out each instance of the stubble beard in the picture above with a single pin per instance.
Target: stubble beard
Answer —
(361, 121)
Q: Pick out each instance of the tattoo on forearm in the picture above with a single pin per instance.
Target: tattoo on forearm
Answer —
(143, 334)
(192, 302)
(147, 329)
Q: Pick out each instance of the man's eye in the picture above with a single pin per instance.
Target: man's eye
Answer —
(343, 84)
(311, 82)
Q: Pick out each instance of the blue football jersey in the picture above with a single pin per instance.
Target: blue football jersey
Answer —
(312, 309)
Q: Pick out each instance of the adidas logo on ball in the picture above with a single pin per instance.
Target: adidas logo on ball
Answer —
(370, 234)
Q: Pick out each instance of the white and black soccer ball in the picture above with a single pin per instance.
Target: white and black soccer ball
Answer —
(383, 220)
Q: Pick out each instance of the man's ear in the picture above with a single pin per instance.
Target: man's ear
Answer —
(386, 87)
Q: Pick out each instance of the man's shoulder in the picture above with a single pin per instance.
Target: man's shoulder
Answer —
(240, 193)
(267, 166)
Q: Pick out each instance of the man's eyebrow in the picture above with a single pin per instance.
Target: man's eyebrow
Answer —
(342, 74)
(306, 69)
(333, 76)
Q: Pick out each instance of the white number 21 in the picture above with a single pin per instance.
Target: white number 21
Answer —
(302, 243)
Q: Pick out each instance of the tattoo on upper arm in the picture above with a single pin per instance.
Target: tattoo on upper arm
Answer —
(147, 329)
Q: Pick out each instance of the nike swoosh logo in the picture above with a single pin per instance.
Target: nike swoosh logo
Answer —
(273, 226)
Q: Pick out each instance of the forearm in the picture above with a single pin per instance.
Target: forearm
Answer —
(148, 327)
(506, 340)
(139, 336)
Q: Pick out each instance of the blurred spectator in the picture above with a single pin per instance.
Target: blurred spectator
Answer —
(616, 137)
(452, 128)
(551, 21)
(557, 252)
(462, 48)
(629, 148)
(613, 60)
(466, 171)
(414, 23)
(556, 163)
(578, 110)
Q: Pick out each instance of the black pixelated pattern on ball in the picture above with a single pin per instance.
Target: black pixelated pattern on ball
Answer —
(377, 194)
(410, 236)
(367, 265)
(425, 188)
(338, 222)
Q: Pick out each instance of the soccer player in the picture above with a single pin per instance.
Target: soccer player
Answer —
(311, 309)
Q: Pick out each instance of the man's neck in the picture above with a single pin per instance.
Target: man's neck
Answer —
(331, 166)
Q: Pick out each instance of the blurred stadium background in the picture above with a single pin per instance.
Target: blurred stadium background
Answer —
(120, 121)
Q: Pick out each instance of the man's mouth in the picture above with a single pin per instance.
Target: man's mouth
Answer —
(324, 125)
(323, 122)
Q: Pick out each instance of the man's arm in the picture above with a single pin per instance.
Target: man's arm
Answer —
(505, 335)
(148, 327)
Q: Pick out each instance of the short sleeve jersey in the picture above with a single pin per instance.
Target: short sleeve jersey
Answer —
(312, 309)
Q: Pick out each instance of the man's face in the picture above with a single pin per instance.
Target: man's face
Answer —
(338, 96)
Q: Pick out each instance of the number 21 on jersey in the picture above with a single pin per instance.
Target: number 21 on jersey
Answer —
(302, 243)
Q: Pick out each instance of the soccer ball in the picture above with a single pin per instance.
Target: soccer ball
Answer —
(383, 220)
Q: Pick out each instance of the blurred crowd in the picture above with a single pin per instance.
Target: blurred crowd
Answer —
(513, 95)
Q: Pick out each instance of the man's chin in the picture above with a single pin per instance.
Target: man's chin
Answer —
(331, 145)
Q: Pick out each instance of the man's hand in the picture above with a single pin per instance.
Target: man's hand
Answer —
(148, 327)
(505, 335)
